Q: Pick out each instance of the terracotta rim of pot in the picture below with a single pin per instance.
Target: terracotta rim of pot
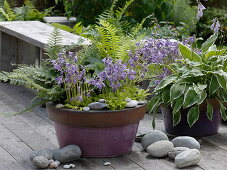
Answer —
(96, 118)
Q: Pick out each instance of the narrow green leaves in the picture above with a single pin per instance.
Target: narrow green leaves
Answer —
(209, 111)
(193, 115)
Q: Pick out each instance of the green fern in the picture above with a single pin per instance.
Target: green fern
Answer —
(10, 15)
(54, 45)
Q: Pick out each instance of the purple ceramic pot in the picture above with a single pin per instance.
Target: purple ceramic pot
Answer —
(203, 127)
(98, 133)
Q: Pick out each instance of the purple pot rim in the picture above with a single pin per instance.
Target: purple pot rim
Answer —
(51, 105)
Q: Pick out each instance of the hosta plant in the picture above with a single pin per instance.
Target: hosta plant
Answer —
(197, 77)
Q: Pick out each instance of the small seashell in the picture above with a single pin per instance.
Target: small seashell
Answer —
(66, 167)
(106, 164)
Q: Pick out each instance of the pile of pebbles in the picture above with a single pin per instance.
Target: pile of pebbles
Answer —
(53, 158)
(183, 149)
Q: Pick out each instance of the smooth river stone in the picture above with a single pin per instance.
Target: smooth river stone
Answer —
(186, 141)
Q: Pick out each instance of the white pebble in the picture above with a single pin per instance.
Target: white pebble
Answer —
(86, 109)
(58, 106)
(102, 100)
(106, 163)
(66, 167)
(128, 100)
(72, 166)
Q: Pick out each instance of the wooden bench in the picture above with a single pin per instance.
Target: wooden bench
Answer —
(23, 42)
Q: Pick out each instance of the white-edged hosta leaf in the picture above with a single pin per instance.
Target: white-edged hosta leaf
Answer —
(178, 104)
(224, 96)
(202, 97)
(209, 42)
(176, 91)
(154, 101)
(209, 111)
(186, 52)
(166, 95)
(221, 81)
(190, 98)
(223, 111)
(166, 81)
(176, 118)
(214, 85)
(193, 115)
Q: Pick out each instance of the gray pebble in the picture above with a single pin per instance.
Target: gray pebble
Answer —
(67, 154)
(175, 151)
(160, 149)
(40, 162)
(97, 106)
(48, 153)
(187, 158)
(54, 165)
(186, 141)
(152, 137)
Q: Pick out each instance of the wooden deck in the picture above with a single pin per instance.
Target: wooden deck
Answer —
(21, 134)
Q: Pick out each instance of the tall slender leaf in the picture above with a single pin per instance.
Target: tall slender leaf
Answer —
(209, 111)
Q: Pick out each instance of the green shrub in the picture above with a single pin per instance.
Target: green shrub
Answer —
(184, 12)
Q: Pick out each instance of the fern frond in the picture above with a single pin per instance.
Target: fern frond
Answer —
(30, 4)
(119, 13)
(54, 45)
(9, 11)
(109, 38)
(139, 27)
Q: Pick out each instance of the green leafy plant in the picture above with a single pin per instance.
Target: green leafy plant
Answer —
(27, 12)
(195, 79)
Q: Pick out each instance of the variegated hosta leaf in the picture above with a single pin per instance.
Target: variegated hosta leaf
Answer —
(209, 111)
(190, 98)
(176, 91)
(193, 115)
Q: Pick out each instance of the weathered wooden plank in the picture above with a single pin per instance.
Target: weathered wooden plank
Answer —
(24, 96)
(15, 147)
(8, 51)
(37, 33)
(34, 121)
(8, 162)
